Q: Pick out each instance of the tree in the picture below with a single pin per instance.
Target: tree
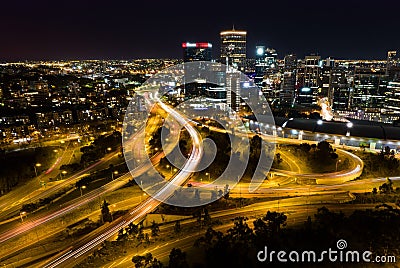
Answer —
(278, 158)
(206, 217)
(146, 260)
(177, 258)
(241, 232)
(140, 234)
(138, 261)
(105, 212)
(334, 156)
(275, 221)
(197, 215)
(122, 235)
(386, 150)
(324, 148)
(146, 238)
(255, 147)
(132, 229)
(177, 227)
(154, 228)
(305, 147)
(313, 147)
(387, 187)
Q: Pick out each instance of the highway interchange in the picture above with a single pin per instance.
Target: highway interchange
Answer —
(338, 191)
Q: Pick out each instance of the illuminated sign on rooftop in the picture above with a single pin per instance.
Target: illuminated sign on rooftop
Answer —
(197, 45)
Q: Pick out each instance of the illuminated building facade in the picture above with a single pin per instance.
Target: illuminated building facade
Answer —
(197, 52)
(233, 48)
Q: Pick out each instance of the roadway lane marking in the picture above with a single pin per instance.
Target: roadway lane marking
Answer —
(112, 264)
(122, 261)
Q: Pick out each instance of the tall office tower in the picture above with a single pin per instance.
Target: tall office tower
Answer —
(310, 81)
(260, 65)
(391, 59)
(233, 48)
(327, 79)
(233, 89)
(197, 52)
(290, 62)
(369, 89)
(287, 92)
(270, 58)
(339, 89)
(393, 65)
(393, 96)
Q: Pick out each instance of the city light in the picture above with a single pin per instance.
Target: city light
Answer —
(317, 136)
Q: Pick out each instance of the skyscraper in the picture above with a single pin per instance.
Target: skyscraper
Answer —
(233, 47)
(260, 65)
(286, 94)
(393, 65)
(270, 58)
(197, 52)
(310, 80)
(369, 89)
(391, 59)
(393, 96)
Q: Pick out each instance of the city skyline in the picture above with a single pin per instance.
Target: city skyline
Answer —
(199, 134)
(346, 30)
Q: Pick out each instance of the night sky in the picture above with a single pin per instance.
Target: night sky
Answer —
(132, 29)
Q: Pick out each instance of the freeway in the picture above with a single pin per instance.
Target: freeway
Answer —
(25, 193)
(73, 254)
(80, 201)
(296, 213)
(93, 195)
(323, 178)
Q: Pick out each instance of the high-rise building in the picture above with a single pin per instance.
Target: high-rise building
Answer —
(290, 62)
(393, 96)
(288, 85)
(310, 81)
(391, 59)
(233, 48)
(369, 89)
(233, 89)
(270, 58)
(393, 65)
(197, 52)
(260, 65)
(339, 89)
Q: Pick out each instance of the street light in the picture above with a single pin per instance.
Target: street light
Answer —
(337, 162)
(63, 173)
(21, 214)
(208, 174)
(37, 165)
(168, 166)
(114, 173)
(82, 187)
(278, 197)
